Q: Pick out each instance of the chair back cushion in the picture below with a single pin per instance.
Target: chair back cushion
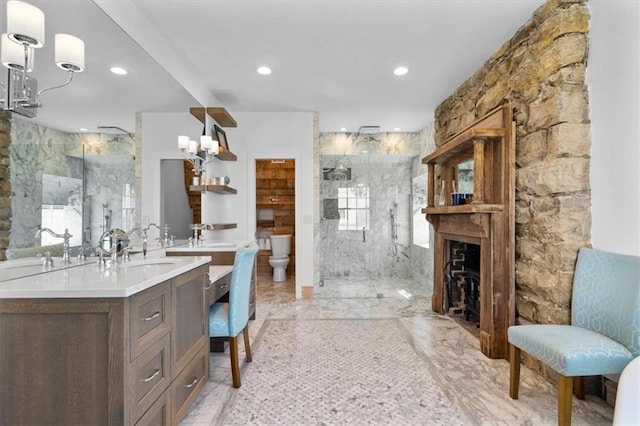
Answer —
(606, 296)
(239, 289)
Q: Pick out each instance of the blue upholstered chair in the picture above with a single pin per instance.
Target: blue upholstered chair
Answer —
(604, 335)
(230, 319)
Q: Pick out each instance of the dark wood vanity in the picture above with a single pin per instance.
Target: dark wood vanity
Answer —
(138, 360)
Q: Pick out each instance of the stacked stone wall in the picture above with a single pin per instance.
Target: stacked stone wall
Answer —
(541, 70)
(5, 182)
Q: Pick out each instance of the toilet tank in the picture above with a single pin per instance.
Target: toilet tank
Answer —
(280, 245)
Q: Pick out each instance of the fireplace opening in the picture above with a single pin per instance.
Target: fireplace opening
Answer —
(462, 281)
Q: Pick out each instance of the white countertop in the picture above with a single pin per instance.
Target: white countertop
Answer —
(89, 280)
(209, 246)
(218, 271)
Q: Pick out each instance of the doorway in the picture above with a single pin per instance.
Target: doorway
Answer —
(275, 212)
(175, 211)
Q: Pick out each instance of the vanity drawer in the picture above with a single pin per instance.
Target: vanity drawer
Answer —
(149, 317)
(188, 384)
(219, 288)
(151, 374)
(159, 414)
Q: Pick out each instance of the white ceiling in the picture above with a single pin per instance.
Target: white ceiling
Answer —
(335, 57)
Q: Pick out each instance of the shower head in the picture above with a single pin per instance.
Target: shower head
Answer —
(369, 130)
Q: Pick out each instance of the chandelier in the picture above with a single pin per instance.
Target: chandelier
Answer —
(199, 154)
(25, 33)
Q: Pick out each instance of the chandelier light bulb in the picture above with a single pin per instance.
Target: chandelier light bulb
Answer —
(25, 23)
(69, 52)
(183, 142)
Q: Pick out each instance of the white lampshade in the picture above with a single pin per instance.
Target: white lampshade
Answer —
(215, 147)
(193, 147)
(69, 52)
(206, 143)
(25, 23)
(12, 54)
(183, 142)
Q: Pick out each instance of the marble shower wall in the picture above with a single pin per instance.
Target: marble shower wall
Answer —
(386, 169)
(36, 150)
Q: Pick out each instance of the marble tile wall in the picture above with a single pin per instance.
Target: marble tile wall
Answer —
(36, 150)
(386, 168)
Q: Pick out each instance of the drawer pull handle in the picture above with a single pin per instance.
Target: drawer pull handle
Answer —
(152, 376)
(223, 285)
(152, 317)
(193, 383)
(208, 286)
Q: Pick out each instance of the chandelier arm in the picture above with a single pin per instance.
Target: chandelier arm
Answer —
(56, 87)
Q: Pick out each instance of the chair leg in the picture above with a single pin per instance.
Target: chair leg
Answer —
(565, 390)
(578, 387)
(247, 347)
(235, 367)
(514, 371)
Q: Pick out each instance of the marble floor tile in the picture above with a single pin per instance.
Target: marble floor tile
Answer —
(477, 385)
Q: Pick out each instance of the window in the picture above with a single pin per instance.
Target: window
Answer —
(353, 204)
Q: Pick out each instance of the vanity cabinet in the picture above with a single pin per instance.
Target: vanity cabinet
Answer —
(141, 359)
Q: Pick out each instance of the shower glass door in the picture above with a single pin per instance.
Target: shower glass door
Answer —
(366, 210)
(346, 237)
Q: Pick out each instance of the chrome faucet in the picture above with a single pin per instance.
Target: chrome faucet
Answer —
(144, 237)
(197, 227)
(66, 259)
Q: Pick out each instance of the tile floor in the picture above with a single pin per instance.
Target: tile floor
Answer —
(477, 385)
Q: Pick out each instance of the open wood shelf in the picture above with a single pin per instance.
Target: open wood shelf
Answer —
(219, 114)
(221, 226)
(218, 189)
(465, 208)
(225, 155)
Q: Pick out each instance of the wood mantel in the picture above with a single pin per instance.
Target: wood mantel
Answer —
(489, 221)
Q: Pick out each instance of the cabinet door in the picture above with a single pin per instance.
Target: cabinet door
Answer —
(190, 320)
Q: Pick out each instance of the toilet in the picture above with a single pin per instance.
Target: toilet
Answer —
(279, 259)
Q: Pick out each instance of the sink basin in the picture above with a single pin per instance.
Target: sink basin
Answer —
(21, 263)
(151, 262)
(19, 268)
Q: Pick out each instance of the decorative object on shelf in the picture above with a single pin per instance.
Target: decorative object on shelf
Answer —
(197, 153)
(222, 137)
(25, 33)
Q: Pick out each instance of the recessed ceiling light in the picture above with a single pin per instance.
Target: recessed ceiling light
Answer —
(401, 71)
(396, 129)
(365, 151)
(264, 70)
(82, 129)
(343, 129)
(118, 70)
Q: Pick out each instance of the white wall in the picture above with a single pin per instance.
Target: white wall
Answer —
(268, 136)
(258, 136)
(160, 133)
(613, 75)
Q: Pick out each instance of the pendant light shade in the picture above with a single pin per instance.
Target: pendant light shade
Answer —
(69, 53)
(183, 142)
(12, 54)
(25, 23)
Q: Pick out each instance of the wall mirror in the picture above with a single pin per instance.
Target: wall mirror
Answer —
(64, 177)
(464, 172)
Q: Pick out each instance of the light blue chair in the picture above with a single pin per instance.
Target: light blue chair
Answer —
(230, 319)
(604, 335)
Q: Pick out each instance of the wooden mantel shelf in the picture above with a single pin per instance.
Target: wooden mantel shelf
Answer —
(219, 189)
(219, 114)
(460, 143)
(466, 208)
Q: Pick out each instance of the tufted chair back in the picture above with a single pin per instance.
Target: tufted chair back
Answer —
(239, 288)
(606, 296)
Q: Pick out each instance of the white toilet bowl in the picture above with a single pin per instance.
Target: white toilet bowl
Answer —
(279, 259)
(279, 266)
